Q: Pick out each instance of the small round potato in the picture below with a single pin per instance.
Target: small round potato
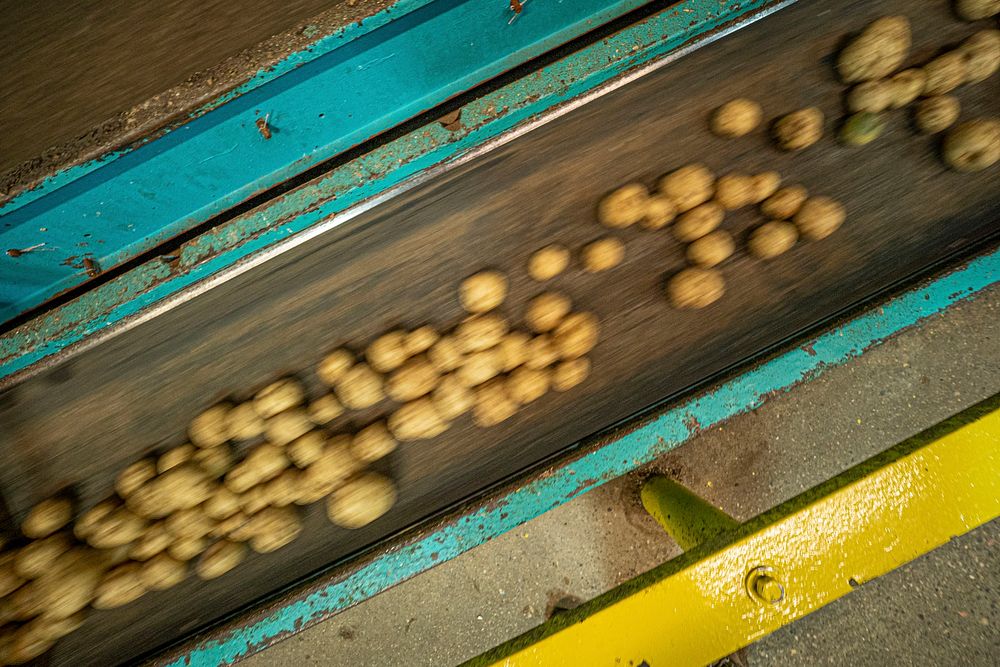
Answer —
(483, 291)
(799, 130)
(937, 114)
(273, 528)
(174, 457)
(974, 10)
(388, 351)
(415, 378)
(222, 505)
(945, 73)
(334, 365)
(90, 519)
(116, 529)
(548, 262)
(481, 366)
(982, 55)
(526, 385)
(361, 500)
(446, 354)
(541, 352)
(215, 461)
(119, 586)
(284, 489)
(47, 517)
(452, 397)
(334, 466)
(220, 558)
(325, 409)
(211, 427)
(134, 476)
(819, 217)
(660, 212)
(192, 522)
(514, 350)
(695, 288)
(576, 335)
(623, 207)
(785, 203)
(262, 463)
(420, 340)
(162, 572)
(569, 373)
(772, 239)
(154, 540)
(907, 86)
(360, 387)
(698, 222)
(187, 548)
(285, 427)
(736, 118)
(871, 96)
(25, 644)
(69, 586)
(602, 254)
(185, 486)
(493, 403)
(973, 145)
(765, 184)
(38, 556)
(688, 186)
(372, 443)
(734, 191)
(306, 449)
(877, 52)
(284, 394)
(546, 311)
(480, 332)
(416, 420)
(712, 249)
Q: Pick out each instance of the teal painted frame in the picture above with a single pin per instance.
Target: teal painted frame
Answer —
(291, 219)
(648, 439)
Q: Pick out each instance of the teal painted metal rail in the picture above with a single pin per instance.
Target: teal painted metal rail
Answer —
(334, 198)
(316, 104)
(650, 440)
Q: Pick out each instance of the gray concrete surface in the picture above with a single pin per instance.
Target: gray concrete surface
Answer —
(940, 610)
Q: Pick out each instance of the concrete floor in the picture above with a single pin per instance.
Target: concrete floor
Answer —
(941, 609)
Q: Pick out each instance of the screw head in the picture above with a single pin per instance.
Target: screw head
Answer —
(763, 585)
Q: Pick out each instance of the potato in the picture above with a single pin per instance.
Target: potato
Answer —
(119, 586)
(273, 528)
(25, 644)
(261, 464)
(819, 217)
(189, 523)
(416, 378)
(871, 96)
(765, 184)
(602, 254)
(57, 627)
(334, 466)
(186, 548)
(284, 489)
(416, 420)
(286, 426)
(546, 311)
(688, 186)
(907, 86)
(569, 373)
(220, 558)
(373, 442)
(306, 449)
(71, 584)
(452, 397)
(387, 352)
(736, 118)
(27, 601)
(155, 539)
(514, 349)
(698, 222)
(576, 335)
(221, 505)
(325, 409)
(861, 129)
(483, 292)
(89, 520)
(361, 500)
(541, 352)
(982, 55)
(38, 556)
(695, 288)
(734, 191)
(937, 114)
(116, 529)
(244, 422)
(481, 366)
(944, 74)
(360, 387)
(162, 572)
(134, 476)
(623, 207)
(211, 427)
(284, 394)
(973, 10)
(233, 526)
(333, 366)
(480, 332)
(548, 262)
(215, 461)
(711, 250)
(174, 457)
(526, 385)
(446, 354)
(420, 340)
(493, 403)
(784, 203)
(973, 145)
(799, 130)
(660, 212)
(47, 517)
(877, 52)
(772, 239)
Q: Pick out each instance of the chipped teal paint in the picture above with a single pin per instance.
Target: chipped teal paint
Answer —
(317, 106)
(647, 442)
(368, 176)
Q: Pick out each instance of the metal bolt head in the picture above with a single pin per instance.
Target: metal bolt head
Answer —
(763, 586)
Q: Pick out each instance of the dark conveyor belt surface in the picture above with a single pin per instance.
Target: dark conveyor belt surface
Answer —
(399, 264)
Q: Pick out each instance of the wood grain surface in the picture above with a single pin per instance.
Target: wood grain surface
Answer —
(400, 263)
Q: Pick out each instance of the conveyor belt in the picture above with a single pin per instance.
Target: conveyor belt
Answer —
(81, 421)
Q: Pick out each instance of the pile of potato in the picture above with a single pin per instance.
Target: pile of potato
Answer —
(872, 63)
(694, 203)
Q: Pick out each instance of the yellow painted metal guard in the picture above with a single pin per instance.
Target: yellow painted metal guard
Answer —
(776, 568)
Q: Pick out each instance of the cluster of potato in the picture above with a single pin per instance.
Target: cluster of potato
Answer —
(697, 202)
(872, 63)
(795, 131)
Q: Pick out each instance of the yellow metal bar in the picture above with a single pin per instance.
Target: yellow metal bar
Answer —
(788, 562)
(688, 518)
